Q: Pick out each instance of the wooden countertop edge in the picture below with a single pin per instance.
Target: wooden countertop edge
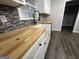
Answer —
(13, 32)
(9, 44)
(45, 21)
(17, 53)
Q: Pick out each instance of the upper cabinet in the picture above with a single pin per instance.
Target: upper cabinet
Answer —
(18, 3)
(32, 2)
(26, 11)
(13, 3)
(43, 6)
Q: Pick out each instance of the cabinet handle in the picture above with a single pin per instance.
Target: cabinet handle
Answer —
(40, 44)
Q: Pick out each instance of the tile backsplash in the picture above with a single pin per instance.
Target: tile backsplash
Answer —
(12, 17)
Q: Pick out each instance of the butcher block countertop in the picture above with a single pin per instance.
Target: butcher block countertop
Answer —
(46, 21)
(15, 44)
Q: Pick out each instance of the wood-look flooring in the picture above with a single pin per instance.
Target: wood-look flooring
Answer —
(63, 45)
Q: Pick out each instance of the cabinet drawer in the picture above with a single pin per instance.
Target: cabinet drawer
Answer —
(46, 43)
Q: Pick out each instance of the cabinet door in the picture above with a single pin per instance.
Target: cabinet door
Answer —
(43, 6)
(40, 54)
(34, 49)
(39, 5)
(46, 43)
(43, 48)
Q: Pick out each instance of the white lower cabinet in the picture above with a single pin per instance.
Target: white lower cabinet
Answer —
(42, 50)
(38, 50)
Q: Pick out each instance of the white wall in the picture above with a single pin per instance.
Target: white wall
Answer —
(68, 0)
(76, 27)
(57, 13)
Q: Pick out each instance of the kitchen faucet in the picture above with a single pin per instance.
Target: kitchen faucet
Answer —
(34, 16)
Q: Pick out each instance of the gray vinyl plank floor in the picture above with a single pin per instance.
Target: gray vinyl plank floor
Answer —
(63, 45)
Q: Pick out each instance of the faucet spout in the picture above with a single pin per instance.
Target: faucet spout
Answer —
(34, 20)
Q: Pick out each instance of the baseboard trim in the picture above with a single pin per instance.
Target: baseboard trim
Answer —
(55, 30)
(76, 31)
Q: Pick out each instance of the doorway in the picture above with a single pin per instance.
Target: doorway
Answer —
(70, 14)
